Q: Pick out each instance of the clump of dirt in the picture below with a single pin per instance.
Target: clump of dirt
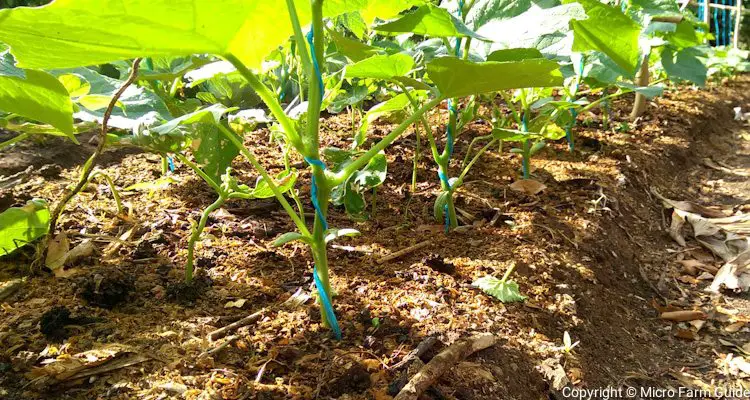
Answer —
(188, 293)
(355, 379)
(55, 320)
(437, 263)
(106, 292)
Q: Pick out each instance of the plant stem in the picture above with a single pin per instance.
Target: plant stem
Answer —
(91, 162)
(189, 266)
(263, 173)
(507, 273)
(215, 186)
(15, 140)
(474, 160)
(360, 162)
(112, 188)
(271, 101)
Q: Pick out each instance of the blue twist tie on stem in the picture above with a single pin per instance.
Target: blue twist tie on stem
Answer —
(170, 161)
(569, 129)
(325, 298)
(444, 180)
(316, 66)
(314, 191)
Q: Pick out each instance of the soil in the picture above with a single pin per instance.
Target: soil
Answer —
(591, 251)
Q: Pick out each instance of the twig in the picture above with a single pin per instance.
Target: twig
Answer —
(221, 332)
(218, 348)
(402, 252)
(91, 162)
(442, 362)
(422, 347)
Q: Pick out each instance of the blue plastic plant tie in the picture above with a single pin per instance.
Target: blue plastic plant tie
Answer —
(170, 161)
(325, 298)
(447, 183)
(316, 66)
(458, 40)
(314, 191)
(569, 129)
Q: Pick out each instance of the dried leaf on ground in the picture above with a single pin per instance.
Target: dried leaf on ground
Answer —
(528, 186)
(683, 315)
(734, 275)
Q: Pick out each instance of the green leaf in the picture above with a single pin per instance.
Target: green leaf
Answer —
(352, 49)
(384, 66)
(684, 36)
(333, 233)
(76, 33)
(687, 64)
(428, 20)
(438, 209)
(284, 181)
(485, 11)
(505, 291)
(75, 85)
(648, 91)
(385, 8)
(355, 95)
(506, 55)
(212, 150)
(547, 30)
(22, 225)
(610, 31)
(511, 135)
(395, 104)
(459, 78)
(96, 102)
(36, 95)
(372, 175)
(289, 237)
(137, 102)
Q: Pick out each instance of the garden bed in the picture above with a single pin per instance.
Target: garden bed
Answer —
(582, 249)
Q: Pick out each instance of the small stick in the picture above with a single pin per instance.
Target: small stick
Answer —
(442, 362)
(91, 162)
(422, 347)
(218, 348)
(223, 331)
(405, 251)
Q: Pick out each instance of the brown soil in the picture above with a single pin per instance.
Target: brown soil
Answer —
(591, 251)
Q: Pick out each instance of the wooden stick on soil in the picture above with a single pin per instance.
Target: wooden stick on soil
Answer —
(91, 162)
(223, 331)
(402, 252)
(442, 362)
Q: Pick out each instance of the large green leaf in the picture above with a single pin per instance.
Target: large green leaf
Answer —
(610, 31)
(75, 33)
(428, 20)
(459, 78)
(396, 103)
(386, 8)
(686, 64)
(485, 11)
(136, 102)
(547, 30)
(36, 95)
(22, 225)
(514, 55)
(350, 48)
(381, 67)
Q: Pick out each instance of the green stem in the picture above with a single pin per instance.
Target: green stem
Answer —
(474, 160)
(189, 267)
(507, 273)
(471, 147)
(15, 140)
(112, 188)
(164, 165)
(422, 118)
(510, 105)
(320, 258)
(360, 162)
(271, 101)
(263, 173)
(215, 186)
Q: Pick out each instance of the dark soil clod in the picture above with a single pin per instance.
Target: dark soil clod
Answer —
(188, 293)
(106, 292)
(438, 264)
(355, 379)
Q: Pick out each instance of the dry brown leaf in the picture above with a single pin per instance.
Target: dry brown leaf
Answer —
(236, 304)
(686, 334)
(735, 327)
(697, 324)
(683, 315)
(57, 252)
(528, 186)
